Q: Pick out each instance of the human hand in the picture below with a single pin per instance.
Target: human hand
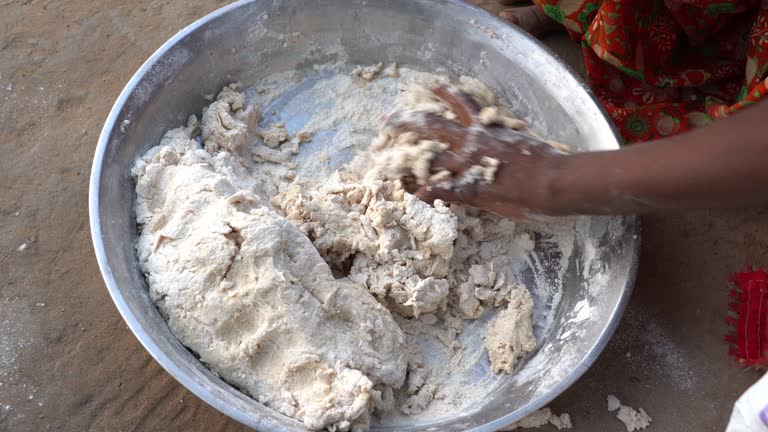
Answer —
(526, 164)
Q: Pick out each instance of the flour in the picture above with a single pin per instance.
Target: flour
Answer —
(311, 277)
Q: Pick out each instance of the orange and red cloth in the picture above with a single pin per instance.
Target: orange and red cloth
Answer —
(749, 304)
(661, 67)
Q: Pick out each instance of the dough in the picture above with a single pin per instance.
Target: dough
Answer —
(483, 173)
(633, 419)
(541, 418)
(399, 247)
(250, 294)
(511, 334)
(275, 135)
(613, 403)
(226, 121)
(368, 73)
(310, 295)
(265, 152)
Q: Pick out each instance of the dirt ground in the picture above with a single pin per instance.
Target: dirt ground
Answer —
(69, 363)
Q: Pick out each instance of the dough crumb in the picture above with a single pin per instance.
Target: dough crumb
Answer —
(561, 422)
(479, 91)
(632, 419)
(303, 137)
(490, 32)
(483, 57)
(390, 71)
(284, 146)
(368, 73)
(541, 418)
(275, 135)
(482, 173)
(493, 115)
(613, 403)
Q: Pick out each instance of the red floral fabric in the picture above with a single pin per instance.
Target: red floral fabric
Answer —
(661, 67)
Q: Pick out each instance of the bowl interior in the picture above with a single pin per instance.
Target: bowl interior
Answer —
(250, 40)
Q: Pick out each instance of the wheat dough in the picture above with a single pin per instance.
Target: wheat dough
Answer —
(249, 293)
(511, 334)
(310, 296)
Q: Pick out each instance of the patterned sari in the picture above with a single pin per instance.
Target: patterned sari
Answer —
(661, 67)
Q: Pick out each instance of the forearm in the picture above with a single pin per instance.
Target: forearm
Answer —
(722, 165)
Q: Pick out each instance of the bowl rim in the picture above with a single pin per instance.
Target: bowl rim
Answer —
(206, 394)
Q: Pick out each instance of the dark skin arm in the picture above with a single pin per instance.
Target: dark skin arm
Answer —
(723, 165)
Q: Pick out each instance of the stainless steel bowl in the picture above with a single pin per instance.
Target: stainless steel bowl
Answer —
(251, 39)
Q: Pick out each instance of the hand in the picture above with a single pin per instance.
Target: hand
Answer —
(526, 163)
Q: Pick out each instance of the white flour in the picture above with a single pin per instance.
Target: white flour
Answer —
(239, 255)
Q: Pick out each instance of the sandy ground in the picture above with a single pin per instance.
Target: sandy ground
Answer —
(67, 360)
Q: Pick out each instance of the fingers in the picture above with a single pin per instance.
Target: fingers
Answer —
(450, 192)
(429, 126)
(434, 127)
(464, 105)
(473, 196)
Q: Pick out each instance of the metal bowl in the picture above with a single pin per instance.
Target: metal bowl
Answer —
(249, 40)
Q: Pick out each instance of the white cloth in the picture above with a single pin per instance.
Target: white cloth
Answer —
(750, 413)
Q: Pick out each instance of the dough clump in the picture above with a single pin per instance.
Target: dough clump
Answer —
(511, 334)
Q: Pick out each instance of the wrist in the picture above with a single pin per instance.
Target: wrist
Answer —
(550, 189)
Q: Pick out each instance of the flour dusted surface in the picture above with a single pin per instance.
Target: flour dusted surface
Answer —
(323, 292)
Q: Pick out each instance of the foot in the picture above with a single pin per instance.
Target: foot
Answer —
(529, 18)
